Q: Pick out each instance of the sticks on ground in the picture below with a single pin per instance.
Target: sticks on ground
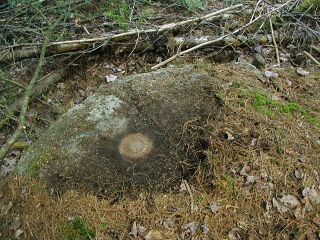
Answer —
(274, 42)
(191, 196)
(312, 58)
(24, 108)
(33, 50)
(220, 38)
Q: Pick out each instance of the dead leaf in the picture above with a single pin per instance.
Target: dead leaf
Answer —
(205, 229)
(18, 233)
(5, 208)
(277, 205)
(302, 72)
(153, 235)
(270, 74)
(245, 170)
(311, 194)
(190, 228)
(290, 201)
(229, 136)
(250, 179)
(234, 234)
(214, 207)
(111, 78)
(134, 230)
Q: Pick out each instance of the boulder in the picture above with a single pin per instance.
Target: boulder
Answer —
(143, 131)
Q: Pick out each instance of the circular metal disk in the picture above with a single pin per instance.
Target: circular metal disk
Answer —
(135, 147)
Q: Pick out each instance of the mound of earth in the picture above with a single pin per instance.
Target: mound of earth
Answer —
(142, 131)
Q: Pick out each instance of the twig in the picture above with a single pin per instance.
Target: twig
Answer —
(42, 85)
(218, 39)
(315, 48)
(131, 32)
(191, 196)
(22, 118)
(10, 81)
(274, 42)
(312, 58)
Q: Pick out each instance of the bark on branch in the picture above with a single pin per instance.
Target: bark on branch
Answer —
(21, 52)
(27, 95)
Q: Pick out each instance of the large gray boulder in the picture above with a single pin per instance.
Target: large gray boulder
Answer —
(142, 131)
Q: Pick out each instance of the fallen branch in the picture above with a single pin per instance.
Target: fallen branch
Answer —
(312, 58)
(42, 85)
(315, 48)
(274, 42)
(33, 50)
(2, 78)
(218, 39)
(22, 118)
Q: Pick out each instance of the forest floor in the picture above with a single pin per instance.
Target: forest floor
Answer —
(261, 179)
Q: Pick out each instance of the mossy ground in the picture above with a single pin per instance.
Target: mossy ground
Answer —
(275, 134)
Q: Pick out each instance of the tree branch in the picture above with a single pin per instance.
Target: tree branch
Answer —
(22, 118)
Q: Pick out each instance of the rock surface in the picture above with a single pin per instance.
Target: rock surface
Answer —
(139, 132)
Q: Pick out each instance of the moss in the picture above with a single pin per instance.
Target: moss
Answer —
(38, 162)
(78, 229)
(225, 183)
(272, 108)
(309, 5)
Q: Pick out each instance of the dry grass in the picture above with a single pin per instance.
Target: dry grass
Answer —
(282, 144)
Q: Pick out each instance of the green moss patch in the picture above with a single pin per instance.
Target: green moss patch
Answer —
(272, 108)
(78, 229)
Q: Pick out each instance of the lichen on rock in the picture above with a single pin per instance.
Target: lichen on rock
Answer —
(131, 134)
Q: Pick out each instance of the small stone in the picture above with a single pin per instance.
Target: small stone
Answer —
(153, 235)
(259, 61)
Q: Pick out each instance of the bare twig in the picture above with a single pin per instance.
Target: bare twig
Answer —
(274, 42)
(22, 118)
(191, 196)
(220, 38)
(42, 85)
(2, 78)
(312, 58)
(72, 45)
(315, 48)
